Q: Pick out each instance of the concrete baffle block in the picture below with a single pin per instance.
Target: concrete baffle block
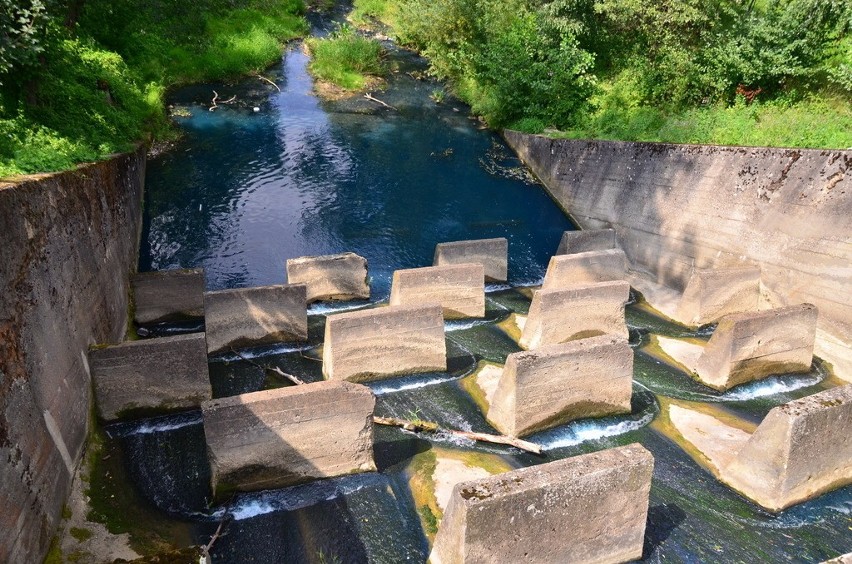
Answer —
(168, 295)
(459, 288)
(287, 436)
(144, 377)
(492, 254)
(585, 268)
(331, 277)
(712, 293)
(750, 346)
(255, 316)
(556, 384)
(581, 241)
(799, 451)
(578, 312)
(379, 343)
(588, 508)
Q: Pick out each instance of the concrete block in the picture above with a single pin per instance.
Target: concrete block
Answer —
(712, 293)
(492, 254)
(255, 316)
(588, 508)
(578, 312)
(378, 343)
(458, 288)
(585, 240)
(168, 373)
(556, 384)
(799, 451)
(750, 346)
(168, 295)
(331, 277)
(278, 438)
(585, 268)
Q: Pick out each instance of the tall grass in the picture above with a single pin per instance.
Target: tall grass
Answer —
(346, 59)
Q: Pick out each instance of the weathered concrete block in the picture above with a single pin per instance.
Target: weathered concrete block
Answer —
(749, 346)
(255, 316)
(585, 240)
(799, 451)
(331, 277)
(277, 438)
(157, 374)
(458, 288)
(492, 254)
(588, 508)
(377, 343)
(559, 383)
(712, 293)
(168, 295)
(579, 312)
(585, 268)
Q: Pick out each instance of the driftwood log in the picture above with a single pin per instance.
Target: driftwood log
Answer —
(429, 427)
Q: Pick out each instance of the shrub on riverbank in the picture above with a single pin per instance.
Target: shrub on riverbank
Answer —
(776, 72)
(345, 58)
(97, 82)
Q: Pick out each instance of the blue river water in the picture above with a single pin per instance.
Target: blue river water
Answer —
(244, 190)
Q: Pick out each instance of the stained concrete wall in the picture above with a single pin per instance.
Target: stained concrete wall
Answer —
(675, 207)
(67, 246)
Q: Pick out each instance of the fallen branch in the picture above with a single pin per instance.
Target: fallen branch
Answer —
(368, 96)
(216, 101)
(275, 369)
(261, 77)
(205, 550)
(429, 427)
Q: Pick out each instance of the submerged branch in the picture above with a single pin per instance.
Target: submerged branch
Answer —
(261, 77)
(429, 427)
(275, 369)
(370, 97)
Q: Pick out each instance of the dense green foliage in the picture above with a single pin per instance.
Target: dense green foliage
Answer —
(675, 70)
(345, 58)
(91, 76)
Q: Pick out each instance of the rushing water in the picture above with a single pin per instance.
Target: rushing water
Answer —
(244, 190)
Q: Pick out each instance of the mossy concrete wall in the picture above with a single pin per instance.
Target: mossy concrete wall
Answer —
(67, 246)
(679, 207)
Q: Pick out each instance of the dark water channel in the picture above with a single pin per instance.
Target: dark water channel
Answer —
(244, 190)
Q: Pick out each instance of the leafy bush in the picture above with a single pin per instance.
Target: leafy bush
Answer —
(345, 58)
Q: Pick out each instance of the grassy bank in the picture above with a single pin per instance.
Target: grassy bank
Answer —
(772, 72)
(97, 84)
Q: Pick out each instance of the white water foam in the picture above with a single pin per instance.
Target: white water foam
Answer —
(156, 425)
(771, 386)
(450, 326)
(576, 433)
(325, 308)
(489, 288)
(381, 388)
(283, 348)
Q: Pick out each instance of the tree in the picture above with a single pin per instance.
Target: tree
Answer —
(23, 26)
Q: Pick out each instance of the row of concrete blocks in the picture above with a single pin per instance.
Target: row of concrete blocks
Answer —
(180, 294)
(746, 345)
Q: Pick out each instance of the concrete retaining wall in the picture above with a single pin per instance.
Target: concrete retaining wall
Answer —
(679, 207)
(588, 508)
(67, 246)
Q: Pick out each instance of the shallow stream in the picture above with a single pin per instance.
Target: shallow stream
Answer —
(244, 190)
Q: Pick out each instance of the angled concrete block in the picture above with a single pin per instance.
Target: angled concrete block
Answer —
(750, 346)
(255, 316)
(458, 288)
(579, 312)
(278, 438)
(590, 267)
(555, 384)
(799, 451)
(492, 254)
(384, 342)
(331, 277)
(588, 508)
(168, 295)
(585, 240)
(168, 373)
(713, 293)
